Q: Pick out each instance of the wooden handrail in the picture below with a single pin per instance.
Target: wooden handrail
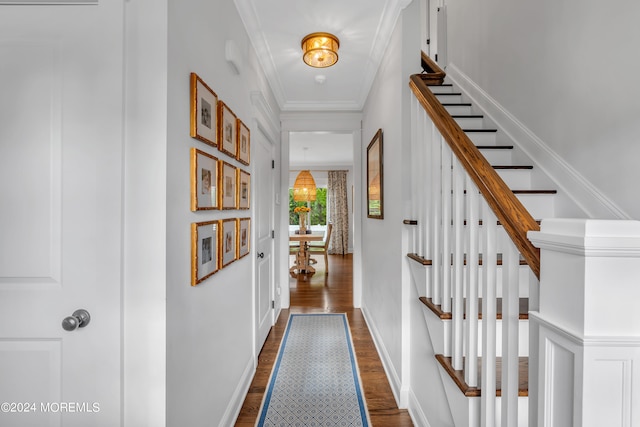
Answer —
(515, 218)
(434, 74)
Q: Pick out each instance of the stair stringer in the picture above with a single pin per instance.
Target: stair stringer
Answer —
(465, 410)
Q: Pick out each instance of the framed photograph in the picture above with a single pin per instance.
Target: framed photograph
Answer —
(227, 132)
(228, 186)
(228, 241)
(204, 181)
(244, 143)
(205, 241)
(204, 107)
(244, 189)
(375, 177)
(244, 236)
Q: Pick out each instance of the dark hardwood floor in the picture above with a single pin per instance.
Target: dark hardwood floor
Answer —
(332, 293)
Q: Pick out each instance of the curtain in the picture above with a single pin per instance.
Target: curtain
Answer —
(338, 212)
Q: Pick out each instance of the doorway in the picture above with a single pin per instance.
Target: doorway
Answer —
(343, 133)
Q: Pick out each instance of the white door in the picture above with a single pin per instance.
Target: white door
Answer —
(61, 104)
(263, 184)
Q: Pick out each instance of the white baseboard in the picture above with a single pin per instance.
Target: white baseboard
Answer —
(415, 411)
(239, 394)
(392, 375)
(577, 187)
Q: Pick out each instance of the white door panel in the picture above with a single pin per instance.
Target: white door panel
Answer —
(61, 71)
(263, 180)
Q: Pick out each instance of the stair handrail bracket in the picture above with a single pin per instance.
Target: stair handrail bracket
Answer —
(511, 213)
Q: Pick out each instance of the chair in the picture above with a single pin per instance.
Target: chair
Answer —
(323, 248)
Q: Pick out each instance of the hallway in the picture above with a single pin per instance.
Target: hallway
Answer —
(329, 293)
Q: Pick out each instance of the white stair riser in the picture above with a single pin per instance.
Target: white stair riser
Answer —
(539, 205)
(483, 138)
(449, 98)
(523, 339)
(523, 412)
(458, 109)
(497, 157)
(470, 122)
(440, 333)
(442, 89)
(516, 178)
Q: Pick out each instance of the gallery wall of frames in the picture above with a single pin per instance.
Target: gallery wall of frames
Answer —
(219, 181)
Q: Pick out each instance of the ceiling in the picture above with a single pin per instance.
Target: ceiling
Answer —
(276, 29)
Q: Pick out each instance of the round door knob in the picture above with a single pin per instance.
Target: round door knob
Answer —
(79, 319)
(261, 255)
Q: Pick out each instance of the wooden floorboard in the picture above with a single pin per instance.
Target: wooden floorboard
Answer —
(329, 293)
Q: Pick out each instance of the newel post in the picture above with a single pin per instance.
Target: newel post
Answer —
(588, 323)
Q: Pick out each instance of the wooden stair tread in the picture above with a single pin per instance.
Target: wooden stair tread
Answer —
(419, 259)
(458, 376)
(467, 116)
(479, 130)
(454, 104)
(445, 315)
(425, 261)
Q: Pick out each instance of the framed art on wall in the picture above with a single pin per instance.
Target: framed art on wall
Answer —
(228, 186)
(228, 241)
(244, 189)
(244, 236)
(228, 140)
(204, 181)
(204, 107)
(375, 178)
(204, 250)
(244, 143)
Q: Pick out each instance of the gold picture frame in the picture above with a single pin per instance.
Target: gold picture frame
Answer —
(244, 189)
(228, 186)
(375, 178)
(244, 143)
(228, 241)
(204, 181)
(205, 248)
(204, 111)
(227, 130)
(244, 237)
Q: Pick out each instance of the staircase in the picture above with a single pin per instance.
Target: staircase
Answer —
(477, 282)
(511, 350)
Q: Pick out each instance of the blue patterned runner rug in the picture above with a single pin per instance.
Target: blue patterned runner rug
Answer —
(315, 378)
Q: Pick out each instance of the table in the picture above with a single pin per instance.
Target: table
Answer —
(301, 263)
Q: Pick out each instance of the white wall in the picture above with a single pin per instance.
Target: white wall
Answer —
(381, 239)
(210, 326)
(145, 221)
(566, 70)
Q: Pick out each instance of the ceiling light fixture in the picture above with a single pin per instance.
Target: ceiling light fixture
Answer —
(320, 50)
(304, 189)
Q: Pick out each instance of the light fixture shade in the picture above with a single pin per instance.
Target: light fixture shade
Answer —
(320, 50)
(304, 189)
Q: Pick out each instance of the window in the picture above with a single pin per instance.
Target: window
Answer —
(318, 214)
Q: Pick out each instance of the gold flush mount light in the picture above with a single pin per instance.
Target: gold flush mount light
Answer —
(320, 50)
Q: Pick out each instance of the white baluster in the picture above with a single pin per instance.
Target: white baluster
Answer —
(510, 331)
(446, 229)
(436, 218)
(489, 261)
(457, 310)
(472, 283)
